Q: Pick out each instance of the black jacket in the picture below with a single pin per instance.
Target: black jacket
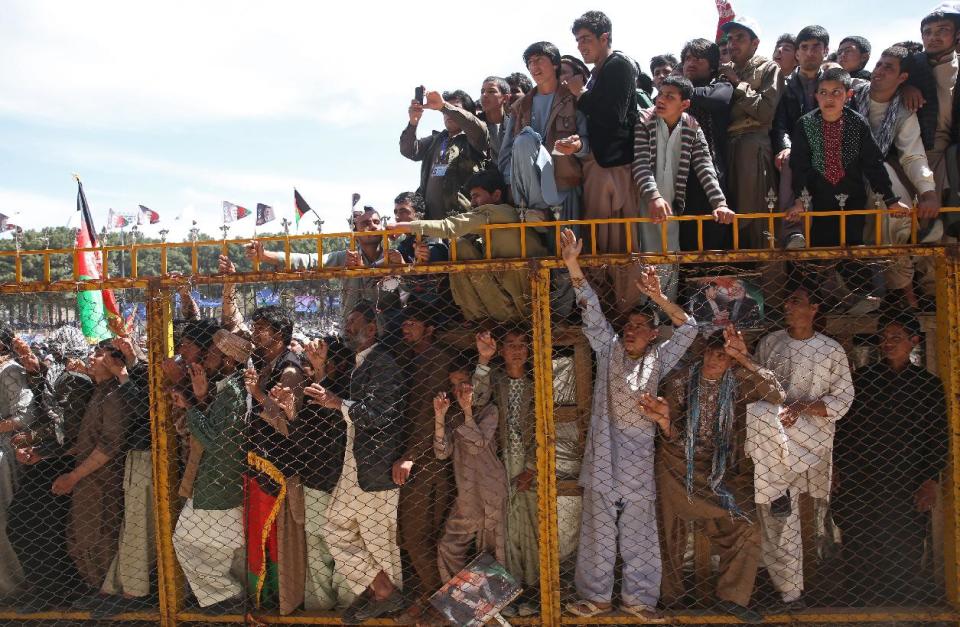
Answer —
(922, 77)
(610, 106)
(710, 106)
(376, 389)
(792, 107)
(318, 439)
(861, 159)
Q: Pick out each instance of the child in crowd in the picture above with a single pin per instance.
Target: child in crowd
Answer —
(477, 514)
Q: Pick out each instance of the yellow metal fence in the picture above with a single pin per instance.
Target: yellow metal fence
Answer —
(159, 332)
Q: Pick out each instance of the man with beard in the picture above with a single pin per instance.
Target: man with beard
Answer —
(361, 526)
(369, 253)
(210, 527)
(37, 520)
(425, 481)
(275, 551)
(96, 480)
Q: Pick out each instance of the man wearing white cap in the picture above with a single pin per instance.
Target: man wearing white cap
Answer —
(210, 527)
(757, 85)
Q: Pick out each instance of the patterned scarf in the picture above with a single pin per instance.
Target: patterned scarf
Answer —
(885, 134)
(721, 438)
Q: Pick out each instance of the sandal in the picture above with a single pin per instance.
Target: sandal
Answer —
(647, 613)
(587, 609)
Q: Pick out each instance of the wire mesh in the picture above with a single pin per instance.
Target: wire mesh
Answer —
(339, 448)
(76, 455)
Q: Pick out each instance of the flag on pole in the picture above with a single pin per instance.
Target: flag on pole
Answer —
(724, 14)
(117, 220)
(233, 212)
(8, 226)
(147, 216)
(301, 208)
(264, 214)
(94, 307)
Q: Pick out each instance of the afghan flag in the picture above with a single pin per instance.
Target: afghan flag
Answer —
(232, 212)
(147, 216)
(95, 308)
(301, 208)
(264, 214)
(724, 14)
(117, 220)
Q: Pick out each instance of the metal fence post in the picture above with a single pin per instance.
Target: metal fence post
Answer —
(160, 343)
(948, 336)
(546, 449)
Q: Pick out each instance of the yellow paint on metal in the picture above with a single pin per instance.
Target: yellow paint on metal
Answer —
(948, 335)
(160, 347)
(546, 450)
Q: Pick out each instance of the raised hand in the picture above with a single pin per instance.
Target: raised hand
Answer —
(734, 344)
(178, 399)
(250, 381)
(570, 246)
(254, 250)
(486, 347)
(199, 382)
(441, 403)
(319, 395)
(434, 100)
(316, 351)
(225, 266)
(649, 284)
(284, 398)
(415, 112)
(354, 259)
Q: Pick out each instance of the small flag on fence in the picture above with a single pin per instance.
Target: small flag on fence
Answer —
(116, 220)
(264, 214)
(147, 216)
(232, 212)
(301, 208)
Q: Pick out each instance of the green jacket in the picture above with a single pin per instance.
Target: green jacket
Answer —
(219, 427)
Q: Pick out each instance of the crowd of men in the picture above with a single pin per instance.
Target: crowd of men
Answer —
(358, 472)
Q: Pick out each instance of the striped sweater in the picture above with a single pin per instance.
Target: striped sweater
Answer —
(693, 150)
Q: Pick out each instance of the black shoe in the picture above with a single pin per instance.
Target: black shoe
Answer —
(745, 614)
(780, 506)
(788, 607)
(373, 608)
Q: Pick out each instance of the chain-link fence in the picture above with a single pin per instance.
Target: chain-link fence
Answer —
(736, 436)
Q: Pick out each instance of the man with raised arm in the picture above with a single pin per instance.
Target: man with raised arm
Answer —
(619, 492)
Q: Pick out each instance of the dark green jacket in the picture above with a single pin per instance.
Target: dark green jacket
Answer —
(219, 427)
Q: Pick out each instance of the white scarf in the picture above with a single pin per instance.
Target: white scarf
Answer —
(668, 158)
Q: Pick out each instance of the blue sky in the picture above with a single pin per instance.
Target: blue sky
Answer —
(181, 105)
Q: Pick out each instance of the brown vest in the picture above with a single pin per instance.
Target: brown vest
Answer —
(562, 123)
